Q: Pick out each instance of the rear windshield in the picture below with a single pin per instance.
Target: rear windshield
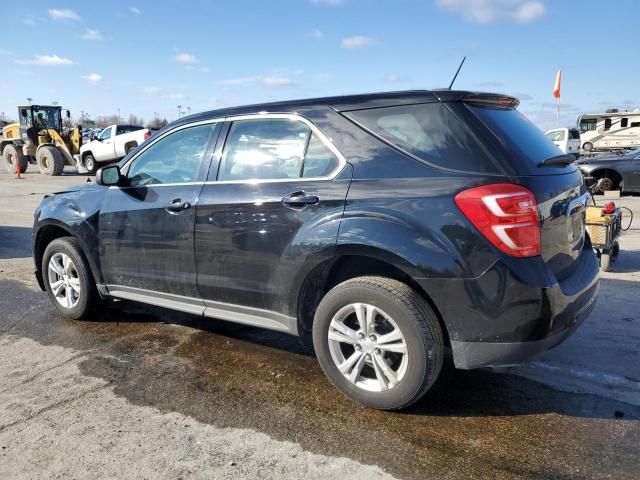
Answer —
(521, 135)
(122, 129)
(430, 132)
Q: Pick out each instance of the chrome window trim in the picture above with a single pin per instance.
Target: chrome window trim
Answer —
(342, 162)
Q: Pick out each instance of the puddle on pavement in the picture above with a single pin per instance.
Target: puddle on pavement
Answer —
(471, 424)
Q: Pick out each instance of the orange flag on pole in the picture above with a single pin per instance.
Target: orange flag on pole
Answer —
(556, 87)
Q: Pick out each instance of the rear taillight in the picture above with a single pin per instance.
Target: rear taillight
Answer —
(506, 214)
(147, 134)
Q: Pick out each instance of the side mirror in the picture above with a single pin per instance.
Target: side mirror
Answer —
(68, 114)
(109, 175)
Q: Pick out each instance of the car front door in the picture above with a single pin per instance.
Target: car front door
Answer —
(103, 149)
(146, 225)
(276, 204)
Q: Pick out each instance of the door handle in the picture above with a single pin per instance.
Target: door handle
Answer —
(299, 200)
(177, 205)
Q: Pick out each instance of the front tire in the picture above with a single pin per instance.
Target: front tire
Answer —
(587, 147)
(11, 155)
(67, 278)
(378, 341)
(50, 161)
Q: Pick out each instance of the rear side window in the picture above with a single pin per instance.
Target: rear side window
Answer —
(624, 123)
(430, 132)
(274, 149)
(574, 134)
(607, 123)
(517, 132)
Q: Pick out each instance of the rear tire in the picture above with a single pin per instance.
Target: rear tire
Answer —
(90, 163)
(385, 373)
(11, 154)
(65, 267)
(50, 161)
(587, 147)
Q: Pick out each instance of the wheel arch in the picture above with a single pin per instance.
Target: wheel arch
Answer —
(130, 144)
(50, 231)
(352, 263)
(611, 173)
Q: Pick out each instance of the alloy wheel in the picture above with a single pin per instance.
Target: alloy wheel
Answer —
(368, 347)
(63, 280)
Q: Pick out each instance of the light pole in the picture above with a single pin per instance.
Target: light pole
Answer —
(55, 104)
(81, 117)
(118, 115)
(29, 100)
(179, 111)
(189, 110)
(2, 114)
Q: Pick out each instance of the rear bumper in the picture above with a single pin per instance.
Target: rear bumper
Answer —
(469, 355)
(515, 311)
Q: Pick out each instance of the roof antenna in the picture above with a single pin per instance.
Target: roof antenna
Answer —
(457, 72)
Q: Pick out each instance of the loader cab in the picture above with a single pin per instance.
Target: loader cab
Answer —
(35, 118)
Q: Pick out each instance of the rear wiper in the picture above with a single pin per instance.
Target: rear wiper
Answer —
(558, 160)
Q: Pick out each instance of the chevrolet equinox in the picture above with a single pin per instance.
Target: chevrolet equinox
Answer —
(388, 228)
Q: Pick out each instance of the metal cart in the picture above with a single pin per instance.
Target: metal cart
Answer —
(604, 230)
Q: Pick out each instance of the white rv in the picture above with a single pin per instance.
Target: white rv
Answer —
(613, 130)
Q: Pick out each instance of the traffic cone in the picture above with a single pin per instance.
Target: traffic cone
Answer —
(15, 160)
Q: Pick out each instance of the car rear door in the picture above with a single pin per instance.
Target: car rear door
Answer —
(146, 226)
(273, 204)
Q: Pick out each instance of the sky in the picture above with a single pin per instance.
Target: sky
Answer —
(145, 57)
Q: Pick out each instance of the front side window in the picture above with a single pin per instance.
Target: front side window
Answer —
(274, 149)
(607, 123)
(555, 135)
(624, 123)
(176, 158)
(106, 134)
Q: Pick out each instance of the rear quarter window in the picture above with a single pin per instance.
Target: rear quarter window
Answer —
(431, 132)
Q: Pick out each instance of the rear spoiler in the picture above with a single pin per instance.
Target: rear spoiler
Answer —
(491, 99)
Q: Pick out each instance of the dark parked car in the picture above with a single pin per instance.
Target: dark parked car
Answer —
(389, 228)
(614, 171)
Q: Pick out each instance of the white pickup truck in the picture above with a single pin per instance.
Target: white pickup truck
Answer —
(112, 144)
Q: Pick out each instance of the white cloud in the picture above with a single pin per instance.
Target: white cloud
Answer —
(317, 34)
(276, 81)
(93, 78)
(487, 11)
(135, 10)
(151, 89)
(63, 14)
(267, 81)
(357, 41)
(46, 60)
(186, 58)
(91, 34)
(331, 3)
(5, 52)
(176, 96)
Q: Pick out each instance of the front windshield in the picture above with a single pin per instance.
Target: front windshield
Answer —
(47, 117)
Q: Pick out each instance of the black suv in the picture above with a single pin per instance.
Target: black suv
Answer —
(389, 228)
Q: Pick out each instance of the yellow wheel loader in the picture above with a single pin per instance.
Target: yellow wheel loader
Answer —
(39, 138)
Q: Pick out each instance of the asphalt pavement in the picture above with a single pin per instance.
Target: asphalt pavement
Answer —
(143, 392)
